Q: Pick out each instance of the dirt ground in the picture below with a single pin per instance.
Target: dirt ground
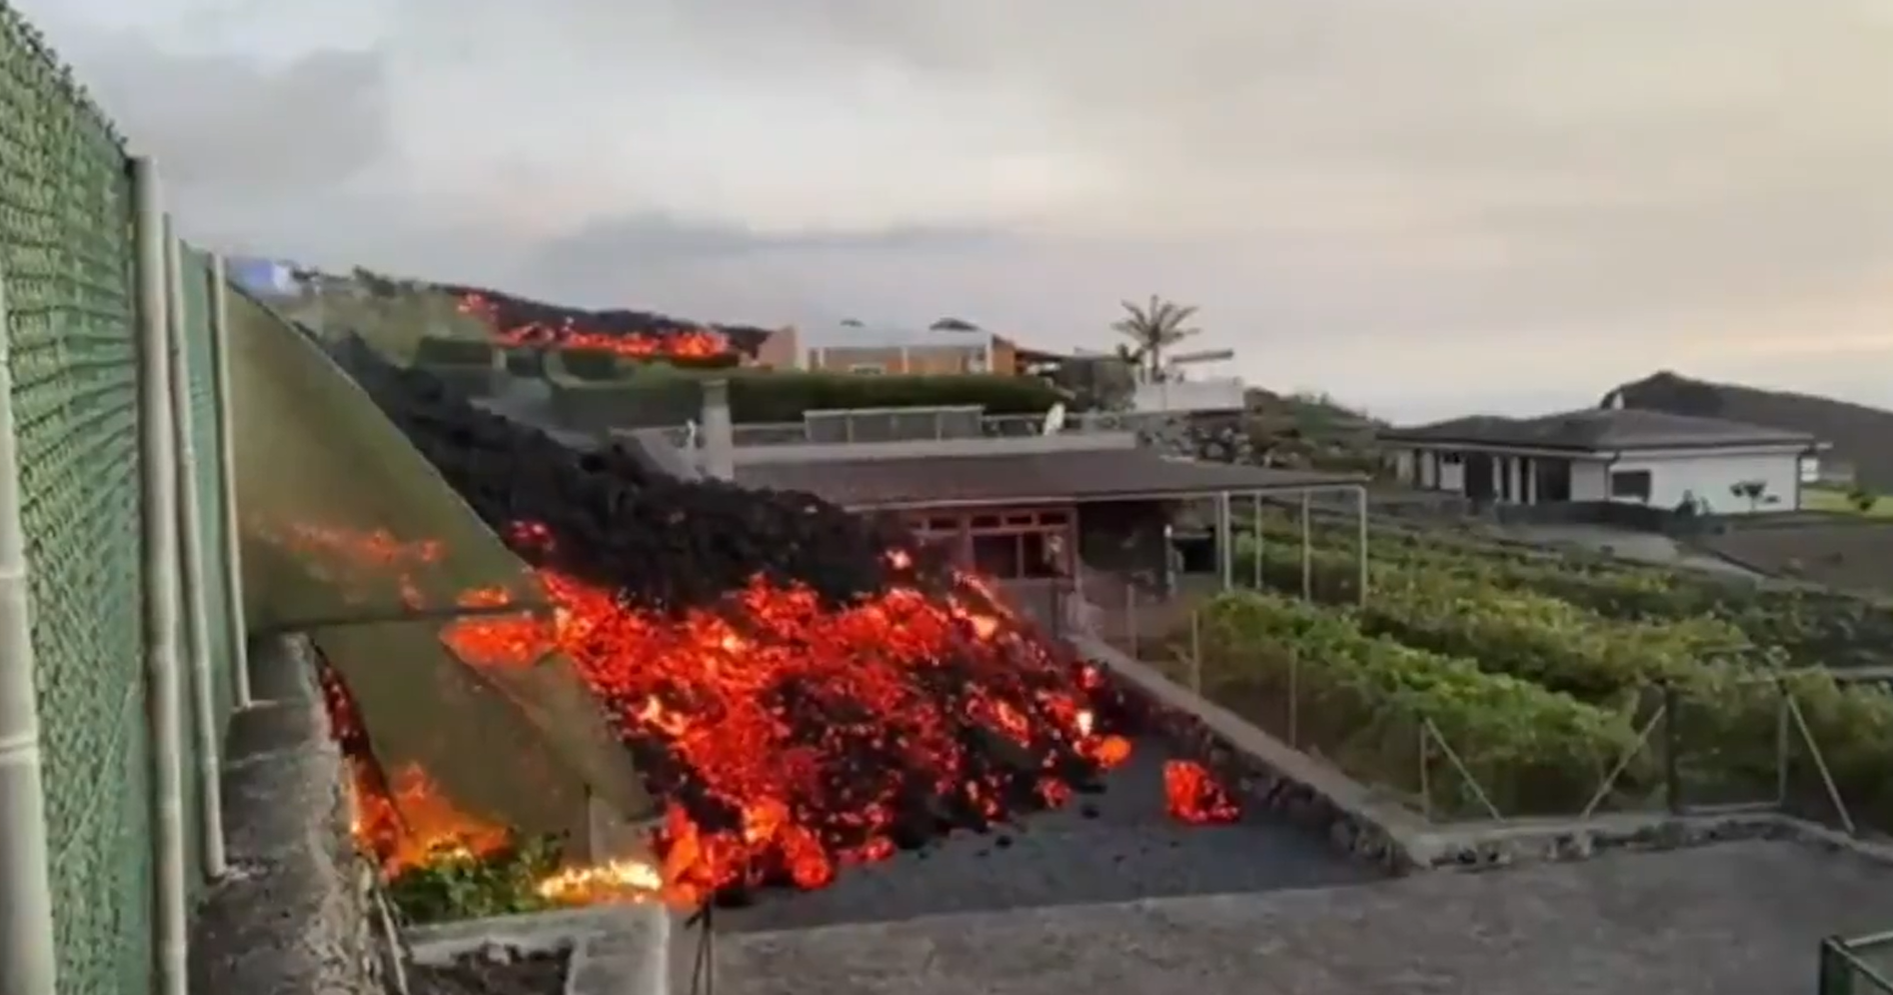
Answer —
(1732, 919)
(1856, 556)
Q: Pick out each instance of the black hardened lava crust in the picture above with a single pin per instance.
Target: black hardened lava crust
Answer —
(664, 545)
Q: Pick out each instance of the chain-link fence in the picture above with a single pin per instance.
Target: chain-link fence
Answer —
(82, 420)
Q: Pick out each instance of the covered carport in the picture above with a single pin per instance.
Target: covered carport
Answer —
(934, 491)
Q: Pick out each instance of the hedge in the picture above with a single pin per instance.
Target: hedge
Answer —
(436, 350)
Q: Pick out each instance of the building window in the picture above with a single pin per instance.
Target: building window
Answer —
(867, 369)
(998, 556)
(1450, 459)
(1630, 484)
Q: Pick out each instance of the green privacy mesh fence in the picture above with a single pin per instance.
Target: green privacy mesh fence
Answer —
(66, 269)
(66, 256)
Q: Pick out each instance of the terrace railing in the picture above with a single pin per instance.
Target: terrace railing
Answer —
(907, 425)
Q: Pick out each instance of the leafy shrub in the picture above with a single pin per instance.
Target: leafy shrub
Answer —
(434, 350)
(526, 362)
(595, 365)
(454, 884)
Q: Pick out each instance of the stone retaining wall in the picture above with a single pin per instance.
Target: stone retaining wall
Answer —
(616, 950)
(296, 912)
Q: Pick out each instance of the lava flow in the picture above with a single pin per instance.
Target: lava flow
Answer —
(689, 344)
(1194, 795)
(785, 737)
(789, 738)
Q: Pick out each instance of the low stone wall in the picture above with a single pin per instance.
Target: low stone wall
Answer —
(296, 913)
(616, 950)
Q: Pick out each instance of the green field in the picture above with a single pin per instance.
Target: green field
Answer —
(1834, 499)
(1482, 681)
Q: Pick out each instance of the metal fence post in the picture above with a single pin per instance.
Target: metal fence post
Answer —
(1196, 650)
(1672, 749)
(161, 552)
(1307, 548)
(28, 958)
(232, 553)
(204, 732)
(1837, 969)
(1256, 553)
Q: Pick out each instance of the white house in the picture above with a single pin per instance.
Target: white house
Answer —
(1610, 454)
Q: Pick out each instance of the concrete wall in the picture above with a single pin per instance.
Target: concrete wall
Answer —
(892, 360)
(782, 350)
(1709, 477)
(935, 448)
(296, 913)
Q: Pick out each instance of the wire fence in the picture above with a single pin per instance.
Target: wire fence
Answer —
(79, 710)
(1741, 738)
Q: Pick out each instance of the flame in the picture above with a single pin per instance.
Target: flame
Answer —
(699, 343)
(1194, 795)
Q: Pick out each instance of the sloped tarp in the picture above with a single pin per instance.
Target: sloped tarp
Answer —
(349, 535)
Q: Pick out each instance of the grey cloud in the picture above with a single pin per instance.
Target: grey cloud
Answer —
(1327, 178)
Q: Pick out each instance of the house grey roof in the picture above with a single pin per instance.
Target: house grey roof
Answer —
(1079, 475)
(1600, 430)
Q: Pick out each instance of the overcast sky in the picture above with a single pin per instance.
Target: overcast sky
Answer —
(1424, 206)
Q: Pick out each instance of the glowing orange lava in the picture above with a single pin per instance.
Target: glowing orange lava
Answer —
(1193, 794)
(786, 737)
(701, 343)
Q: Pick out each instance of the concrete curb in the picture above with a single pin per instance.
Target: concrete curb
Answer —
(616, 949)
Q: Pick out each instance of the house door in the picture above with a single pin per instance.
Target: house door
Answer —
(1478, 479)
(1553, 479)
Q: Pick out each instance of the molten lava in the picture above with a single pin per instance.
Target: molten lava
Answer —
(702, 343)
(789, 738)
(1193, 794)
(785, 737)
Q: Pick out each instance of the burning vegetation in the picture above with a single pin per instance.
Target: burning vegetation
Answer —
(800, 688)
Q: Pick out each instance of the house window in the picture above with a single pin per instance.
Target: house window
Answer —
(867, 369)
(998, 556)
(1630, 484)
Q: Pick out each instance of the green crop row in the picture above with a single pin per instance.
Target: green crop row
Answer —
(1813, 628)
(1362, 700)
(1359, 693)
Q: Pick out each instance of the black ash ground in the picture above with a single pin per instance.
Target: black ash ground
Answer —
(1112, 847)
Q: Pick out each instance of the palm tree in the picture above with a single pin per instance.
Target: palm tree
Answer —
(1154, 327)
